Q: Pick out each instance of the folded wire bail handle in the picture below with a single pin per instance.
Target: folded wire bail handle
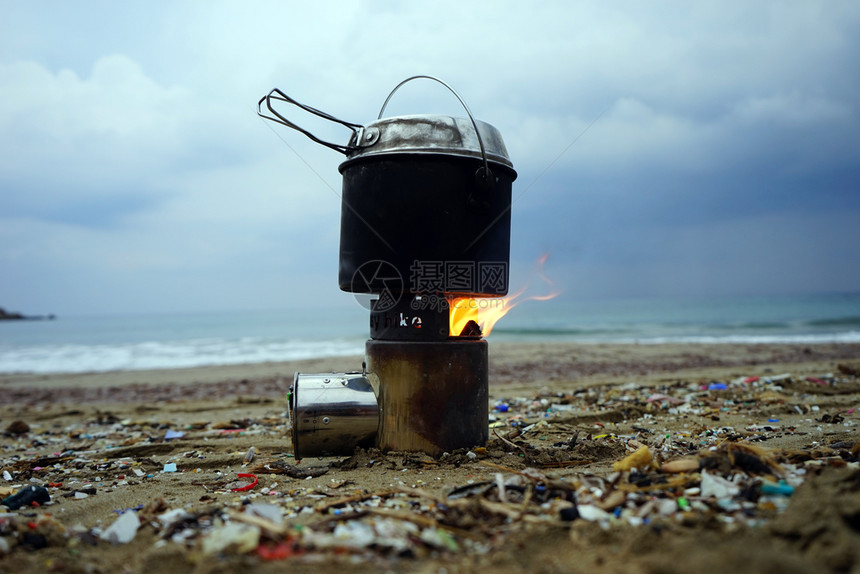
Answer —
(279, 96)
(486, 175)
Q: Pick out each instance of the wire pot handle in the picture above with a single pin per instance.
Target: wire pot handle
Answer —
(486, 173)
(279, 96)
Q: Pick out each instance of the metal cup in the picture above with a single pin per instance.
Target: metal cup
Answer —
(332, 413)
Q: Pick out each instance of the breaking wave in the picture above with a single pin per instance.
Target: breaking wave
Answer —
(167, 355)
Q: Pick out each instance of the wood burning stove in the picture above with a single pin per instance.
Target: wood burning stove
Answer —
(425, 220)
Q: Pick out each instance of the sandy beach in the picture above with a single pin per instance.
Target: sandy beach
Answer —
(550, 492)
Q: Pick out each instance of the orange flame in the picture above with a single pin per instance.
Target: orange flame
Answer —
(486, 311)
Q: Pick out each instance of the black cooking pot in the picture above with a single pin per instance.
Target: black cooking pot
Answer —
(426, 204)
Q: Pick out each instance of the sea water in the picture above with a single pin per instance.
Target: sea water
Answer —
(784, 319)
(79, 344)
(155, 341)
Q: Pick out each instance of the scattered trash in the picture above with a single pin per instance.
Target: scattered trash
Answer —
(780, 488)
(293, 471)
(268, 512)
(124, 510)
(170, 517)
(171, 434)
(592, 513)
(277, 551)
(233, 537)
(662, 398)
(439, 538)
(831, 419)
(241, 487)
(713, 486)
(27, 496)
(675, 460)
(123, 530)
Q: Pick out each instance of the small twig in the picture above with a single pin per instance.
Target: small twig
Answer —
(509, 443)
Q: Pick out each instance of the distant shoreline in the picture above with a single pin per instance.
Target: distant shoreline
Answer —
(15, 316)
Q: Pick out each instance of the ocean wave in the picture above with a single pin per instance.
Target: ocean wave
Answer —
(560, 331)
(754, 326)
(166, 355)
(835, 322)
(109, 343)
(664, 336)
(848, 337)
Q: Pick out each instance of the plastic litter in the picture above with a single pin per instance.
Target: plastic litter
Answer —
(247, 486)
(780, 488)
(169, 467)
(124, 528)
(269, 512)
(439, 538)
(124, 510)
(718, 487)
(233, 537)
(26, 497)
(711, 470)
(277, 551)
(173, 516)
(352, 535)
(592, 513)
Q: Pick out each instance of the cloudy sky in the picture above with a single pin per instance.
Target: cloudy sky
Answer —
(663, 149)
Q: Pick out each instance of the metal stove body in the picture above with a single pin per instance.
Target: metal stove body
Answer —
(425, 220)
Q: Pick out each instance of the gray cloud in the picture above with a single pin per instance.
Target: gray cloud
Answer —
(134, 173)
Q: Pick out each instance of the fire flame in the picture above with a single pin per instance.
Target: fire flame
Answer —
(486, 311)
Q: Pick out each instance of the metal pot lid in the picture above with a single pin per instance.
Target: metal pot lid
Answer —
(427, 134)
